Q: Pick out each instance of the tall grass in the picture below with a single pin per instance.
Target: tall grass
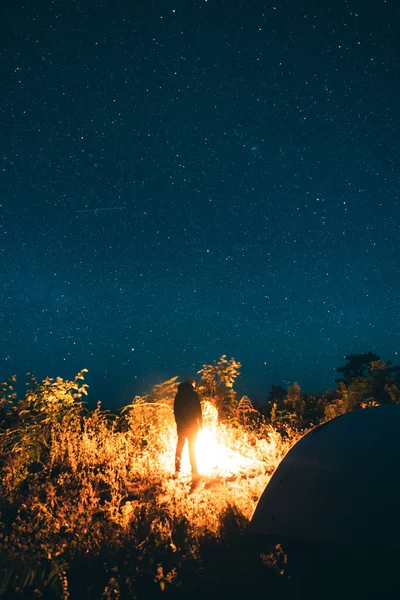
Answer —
(89, 508)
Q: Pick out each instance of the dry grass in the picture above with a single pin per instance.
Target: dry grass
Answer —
(89, 507)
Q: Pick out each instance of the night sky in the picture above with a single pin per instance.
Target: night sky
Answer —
(185, 179)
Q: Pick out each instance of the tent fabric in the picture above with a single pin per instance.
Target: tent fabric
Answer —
(339, 483)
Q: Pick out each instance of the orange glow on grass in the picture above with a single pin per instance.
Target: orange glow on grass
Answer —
(214, 457)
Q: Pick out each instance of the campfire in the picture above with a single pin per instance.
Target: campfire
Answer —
(214, 455)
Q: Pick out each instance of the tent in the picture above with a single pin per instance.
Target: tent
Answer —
(339, 483)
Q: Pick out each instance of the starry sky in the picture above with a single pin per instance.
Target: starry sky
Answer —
(185, 179)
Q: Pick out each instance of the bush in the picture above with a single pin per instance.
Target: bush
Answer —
(88, 506)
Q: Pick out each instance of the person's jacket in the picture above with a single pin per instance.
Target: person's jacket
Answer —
(187, 409)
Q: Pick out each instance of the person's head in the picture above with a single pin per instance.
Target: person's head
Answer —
(190, 379)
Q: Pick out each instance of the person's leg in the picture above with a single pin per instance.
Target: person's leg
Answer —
(178, 454)
(192, 451)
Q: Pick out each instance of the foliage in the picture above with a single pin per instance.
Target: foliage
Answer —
(28, 424)
(216, 385)
(357, 365)
(394, 392)
(88, 505)
(162, 392)
(247, 415)
(222, 372)
(7, 396)
(367, 381)
(294, 402)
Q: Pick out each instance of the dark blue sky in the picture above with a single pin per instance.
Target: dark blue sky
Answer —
(251, 153)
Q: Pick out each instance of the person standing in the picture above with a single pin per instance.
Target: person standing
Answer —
(188, 418)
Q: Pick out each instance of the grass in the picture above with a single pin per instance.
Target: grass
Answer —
(89, 508)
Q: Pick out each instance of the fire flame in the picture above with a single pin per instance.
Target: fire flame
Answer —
(214, 457)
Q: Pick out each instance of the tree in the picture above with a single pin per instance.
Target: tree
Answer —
(380, 377)
(277, 396)
(294, 401)
(358, 365)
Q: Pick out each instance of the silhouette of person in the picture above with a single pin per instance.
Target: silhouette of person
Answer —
(188, 418)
